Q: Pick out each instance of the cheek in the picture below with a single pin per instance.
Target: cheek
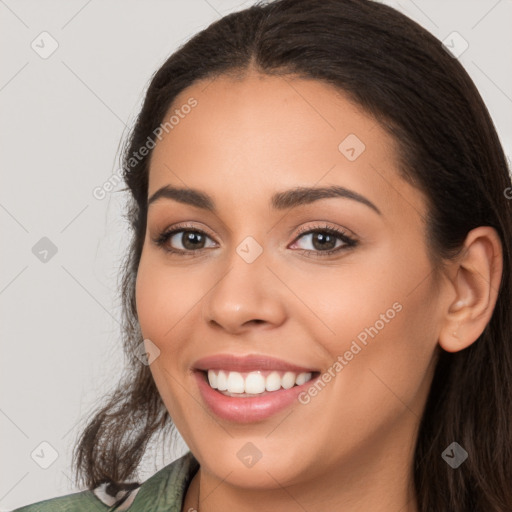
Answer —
(162, 306)
(164, 297)
(347, 301)
(148, 297)
(382, 324)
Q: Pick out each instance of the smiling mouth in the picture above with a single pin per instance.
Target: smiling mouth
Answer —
(254, 383)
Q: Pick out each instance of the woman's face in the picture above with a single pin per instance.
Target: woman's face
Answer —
(360, 312)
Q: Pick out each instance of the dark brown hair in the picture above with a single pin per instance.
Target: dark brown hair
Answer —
(402, 75)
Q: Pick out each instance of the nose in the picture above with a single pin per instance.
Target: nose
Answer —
(245, 295)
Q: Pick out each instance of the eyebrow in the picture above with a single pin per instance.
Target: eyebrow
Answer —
(285, 200)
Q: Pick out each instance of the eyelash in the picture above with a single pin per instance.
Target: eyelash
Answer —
(348, 241)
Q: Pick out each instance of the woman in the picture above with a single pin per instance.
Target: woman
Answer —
(318, 291)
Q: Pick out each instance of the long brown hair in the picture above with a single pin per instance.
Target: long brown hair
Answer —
(401, 74)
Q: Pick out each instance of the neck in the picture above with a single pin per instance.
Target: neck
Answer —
(379, 479)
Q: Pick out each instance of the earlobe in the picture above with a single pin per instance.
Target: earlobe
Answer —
(476, 281)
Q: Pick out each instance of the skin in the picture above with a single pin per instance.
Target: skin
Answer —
(352, 445)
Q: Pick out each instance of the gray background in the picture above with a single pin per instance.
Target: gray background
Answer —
(61, 123)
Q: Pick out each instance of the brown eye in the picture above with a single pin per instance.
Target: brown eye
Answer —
(323, 241)
(190, 240)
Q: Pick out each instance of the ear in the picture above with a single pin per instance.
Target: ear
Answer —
(475, 277)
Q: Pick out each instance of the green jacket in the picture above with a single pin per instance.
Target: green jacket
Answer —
(164, 491)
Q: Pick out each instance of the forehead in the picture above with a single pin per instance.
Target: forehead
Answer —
(258, 134)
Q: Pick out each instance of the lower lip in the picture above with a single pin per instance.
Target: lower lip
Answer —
(247, 409)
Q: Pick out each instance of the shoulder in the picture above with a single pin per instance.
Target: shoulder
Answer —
(165, 490)
(85, 500)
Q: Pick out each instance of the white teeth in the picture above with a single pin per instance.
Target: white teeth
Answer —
(302, 378)
(222, 381)
(235, 383)
(288, 380)
(255, 383)
(273, 382)
(212, 379)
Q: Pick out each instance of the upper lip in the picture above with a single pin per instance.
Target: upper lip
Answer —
(246, 363)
